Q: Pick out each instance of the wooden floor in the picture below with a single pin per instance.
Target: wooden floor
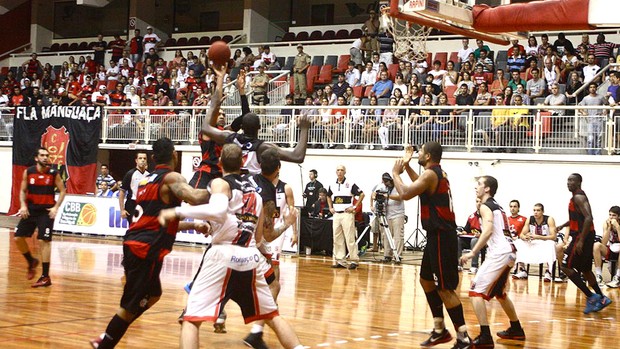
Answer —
(376, 306)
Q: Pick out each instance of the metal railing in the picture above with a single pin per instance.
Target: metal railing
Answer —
(528, 129)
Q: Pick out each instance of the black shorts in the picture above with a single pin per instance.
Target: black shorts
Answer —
(201, 179)
(142, 281)
(440, 261)
(25, 227)
(580, 262)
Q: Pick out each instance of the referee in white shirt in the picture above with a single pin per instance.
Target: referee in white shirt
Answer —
(340, 199)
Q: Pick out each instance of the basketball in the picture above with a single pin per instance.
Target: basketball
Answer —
(88, 216)
(219, 53)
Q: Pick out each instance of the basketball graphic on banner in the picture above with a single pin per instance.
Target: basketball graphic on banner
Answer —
(88, 215)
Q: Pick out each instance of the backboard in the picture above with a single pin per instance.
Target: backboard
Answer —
(453, 16)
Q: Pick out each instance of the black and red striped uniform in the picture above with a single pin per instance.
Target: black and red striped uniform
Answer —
(32, 67)
(436, 209)
(146, 238)
(117, 98)
(40, 192)
(580, 262)
(440, 259)
(209, 167)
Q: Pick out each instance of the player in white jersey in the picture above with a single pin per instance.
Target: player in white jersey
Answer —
(232, 266)
(492, 276)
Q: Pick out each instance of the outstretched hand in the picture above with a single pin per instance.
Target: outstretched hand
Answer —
(220, 71)
(399, 167)
(241, 82)
(304, 121)
(409, 150)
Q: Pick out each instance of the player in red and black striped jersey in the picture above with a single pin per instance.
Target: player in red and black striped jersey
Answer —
(209, 165)
(38, 209)
(578, 255)
(439, 270)
(147, 242)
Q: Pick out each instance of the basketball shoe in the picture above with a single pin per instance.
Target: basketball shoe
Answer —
(437, 338)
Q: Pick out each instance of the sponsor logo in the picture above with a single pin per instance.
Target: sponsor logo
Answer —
(115, 220)
(244, 260)
(78, 213)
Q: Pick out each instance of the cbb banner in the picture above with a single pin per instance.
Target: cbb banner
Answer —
(95, 215)
(70, 134)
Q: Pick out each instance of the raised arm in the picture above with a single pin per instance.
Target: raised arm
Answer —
(419, 185)
(298, 154)
(210, 119)
(179, 188)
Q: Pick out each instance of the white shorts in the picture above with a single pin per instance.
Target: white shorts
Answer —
(492, 276)
(535, 251)
(236, 273)
(273, 249)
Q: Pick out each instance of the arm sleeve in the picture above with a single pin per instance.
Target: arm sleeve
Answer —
(214, 211)
(126, 184)
(355, 190)
(245, 108)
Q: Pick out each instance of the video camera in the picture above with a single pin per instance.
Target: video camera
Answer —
(381, 197)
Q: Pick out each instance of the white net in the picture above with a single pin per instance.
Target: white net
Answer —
(409, 38)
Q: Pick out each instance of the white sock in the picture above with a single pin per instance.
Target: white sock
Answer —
(257, 328)
(462, 334)
(599, 270)
(439, 325)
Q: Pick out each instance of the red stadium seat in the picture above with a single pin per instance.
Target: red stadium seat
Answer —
(429, 60)
(442, 57)
(83, 46)
(302, 36)
(288, 37)
(171, 42)
(215, 38)
(488, 77)
(193, 41)
(342, 34)
(356, 33)
(392, 70)
(204, 41)
(325, 75)
(358, 91)
(454, 57)
(112, 85)
(343, 63)
(315, 35)
(227, 38)
(449, 90)
(329, 35)
(54, 47)
(63, 47)
(74, 46)
(311, 76)
(182, 42)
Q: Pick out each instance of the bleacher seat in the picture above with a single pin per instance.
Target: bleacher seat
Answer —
(383, 101)
(91, 45)
(204, 40)
(343, 63)
(442, 57)
(193, 41)
(55, 46)
(182, 42)
(329, 35)
(214, 39)
(227, 38)
(312, 73)
(429, 60)
(488, 77)
(74, 46)
(4, 71)
(358, 91)
(289, 63)
(288, 36)
(234, 72)
(449, 90)
(392, 70)
(356, 33)
(454, 57)
(502, 55)
(302, 36)
(112, 85)
(63, 47)
(325, 75)
(139, 66)
(318, 60)
(171, 42)
(281, 61)
(83, 46)
(315, 35)
(342, 34)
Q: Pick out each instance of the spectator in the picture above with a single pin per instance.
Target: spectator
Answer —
(544, 44)
(151, 40)
(390, 124)
(18, 99)
(421, 66)
(515, 79)
(531, 51)
(515, 62)
(590, 70)
(369, 76)
(603, 50)
(463, 98)
(300, 66)
(483, 97)
(352, 75)
(525, 99)
(437, 73)
(33, 65)
(320, 208)
(570, 62)
(400, 85)
(282, 121)
(104, 190)
(311, 189)
(259, 85)
(268, 58)
(536, 87)
(481, 46)
(479, 76)
(371, 25)
(383, 87)
(101, 98)
(451, 77)
(466, 79)
(340, 86)
(551, 73)
(443, 119)
(499, 84)
(585, 43)
(561, 44)
(516, 47)
(500, 124)
(99, 47)
(105, 177)
(468, 237)
(463, 53)
(136, 46)
(612, 90)
(330, 95)
(117, 46)
(518, 122)
(595, 118)
(113, 73)
(556, 98)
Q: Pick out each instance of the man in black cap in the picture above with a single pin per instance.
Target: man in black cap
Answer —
(386, 202)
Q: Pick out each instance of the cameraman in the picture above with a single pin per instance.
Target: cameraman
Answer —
(385, 201)
(320, 208)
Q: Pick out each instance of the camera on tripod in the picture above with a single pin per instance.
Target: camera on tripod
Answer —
(380, 201)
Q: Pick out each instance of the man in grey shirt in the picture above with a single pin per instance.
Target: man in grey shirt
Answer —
(556, 98)
(393, 207)
(595, 119)
(536, 86)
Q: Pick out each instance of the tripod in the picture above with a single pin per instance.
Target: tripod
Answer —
(388, 234)
(419, 237)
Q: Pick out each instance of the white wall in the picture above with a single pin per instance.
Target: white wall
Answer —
(6, 161)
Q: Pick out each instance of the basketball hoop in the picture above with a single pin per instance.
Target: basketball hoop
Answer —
(409, 38)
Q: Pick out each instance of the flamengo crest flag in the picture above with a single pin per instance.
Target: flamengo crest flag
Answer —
(70, 134)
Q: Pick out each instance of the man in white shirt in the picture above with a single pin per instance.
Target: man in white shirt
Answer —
(590, 70)
(463, 53)
(437, 73)
(151, 40)
(369, 76)
(352, 75)
(113, 72)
